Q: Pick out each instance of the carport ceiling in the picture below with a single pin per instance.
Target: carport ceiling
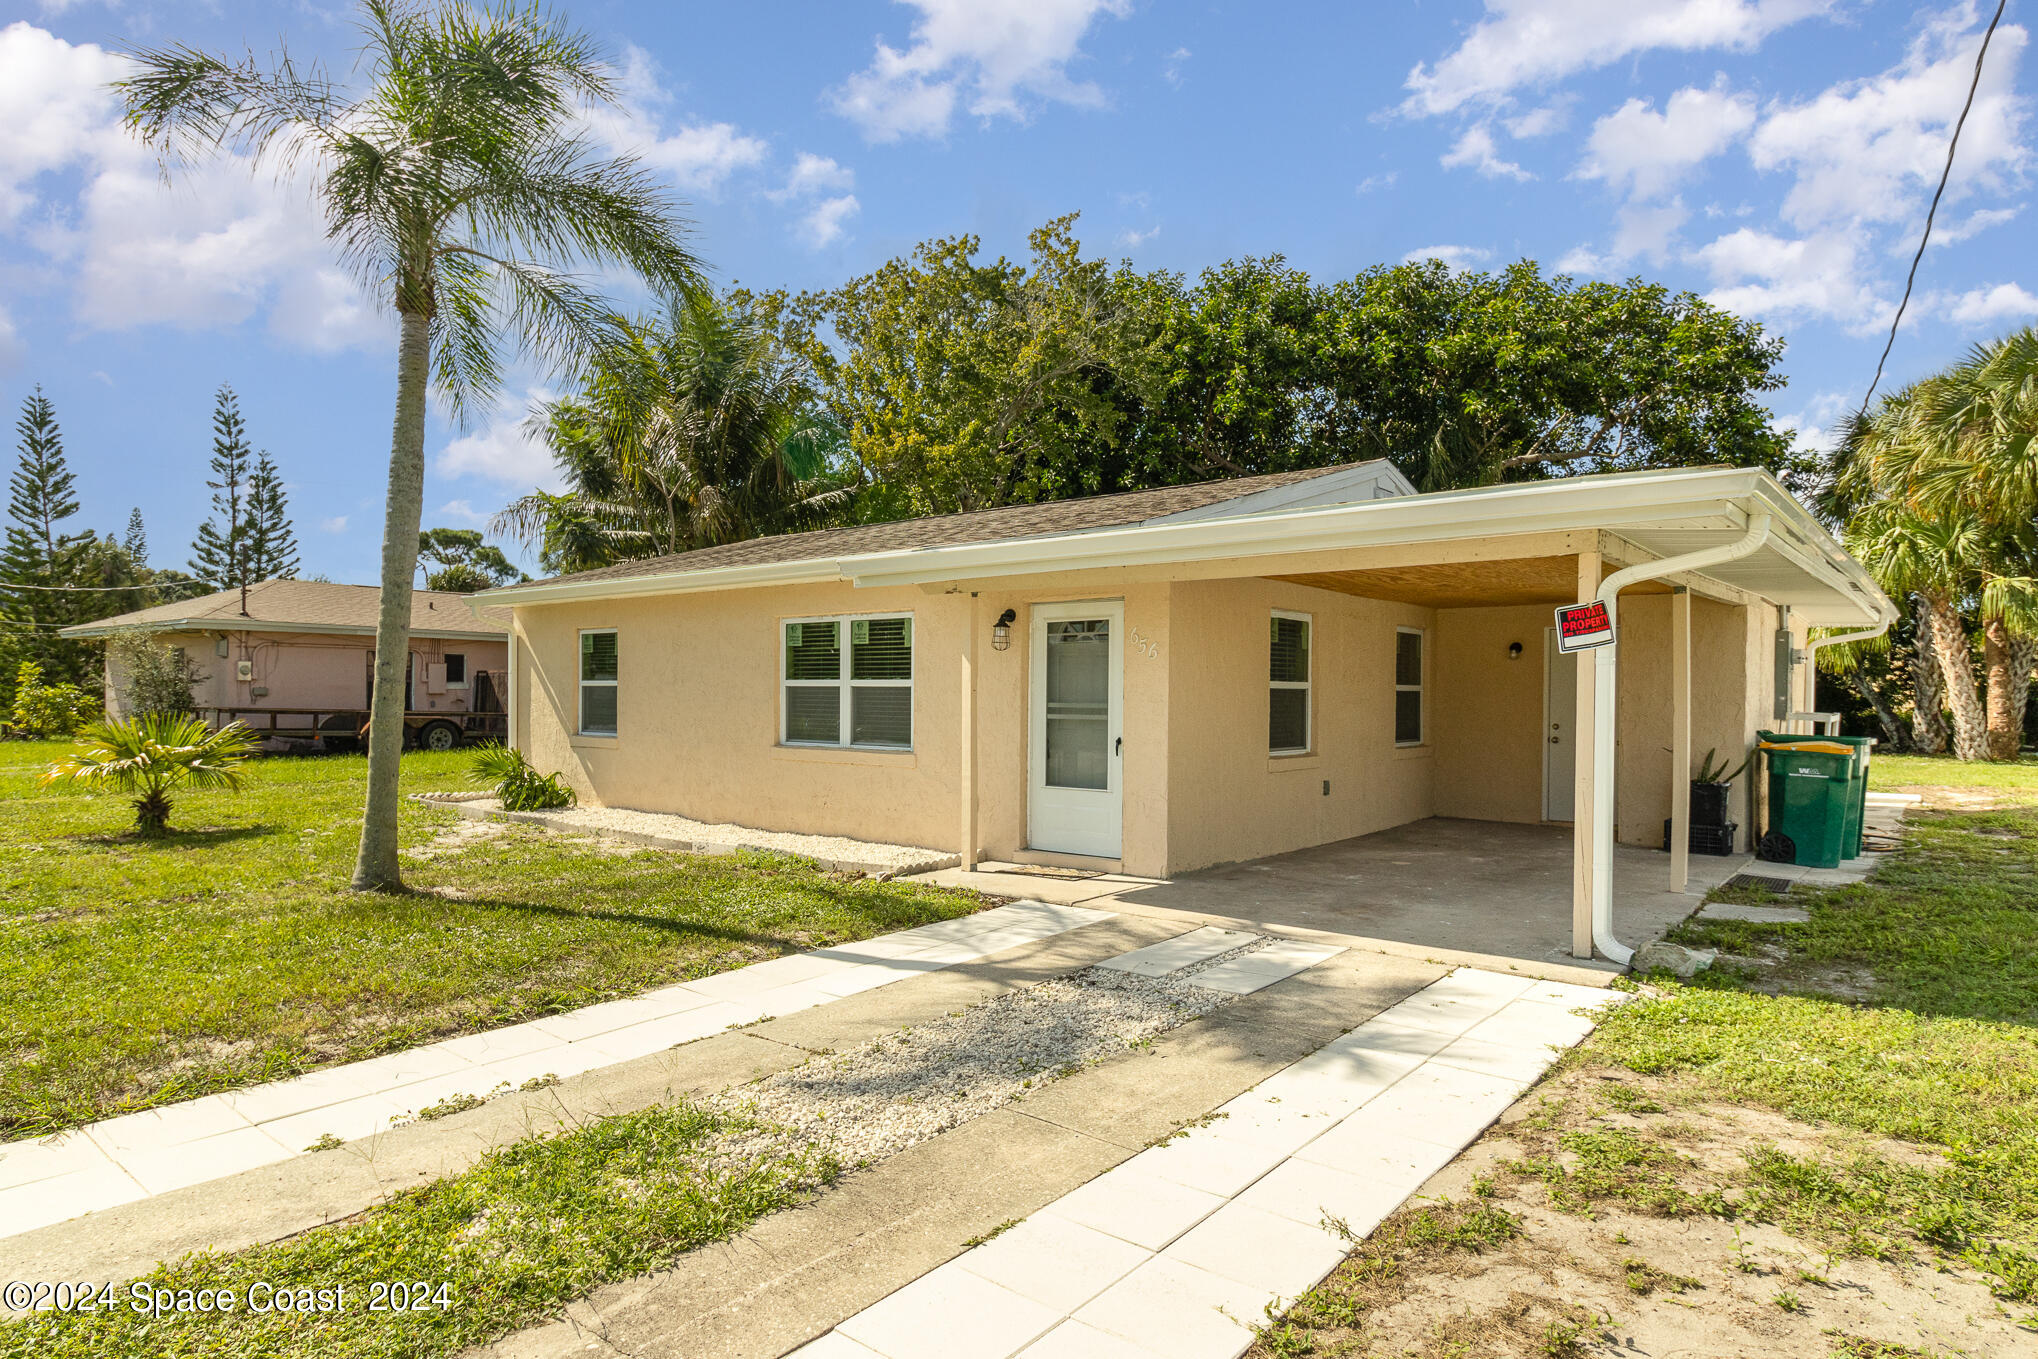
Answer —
(1459, 585)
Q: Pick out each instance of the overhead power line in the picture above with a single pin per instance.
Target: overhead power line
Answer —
(1932, 212)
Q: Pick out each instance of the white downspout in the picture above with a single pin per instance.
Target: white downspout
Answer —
(1603, 676)
(1811, 650)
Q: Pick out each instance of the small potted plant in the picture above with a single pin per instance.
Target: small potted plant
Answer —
(1710, 787)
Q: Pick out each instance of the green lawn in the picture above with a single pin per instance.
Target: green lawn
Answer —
(229, 952)
(2018, 779)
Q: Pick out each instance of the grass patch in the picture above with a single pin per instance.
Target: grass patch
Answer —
(525, 1231)
(1947, 927)
(142, 972)
(2016, 778)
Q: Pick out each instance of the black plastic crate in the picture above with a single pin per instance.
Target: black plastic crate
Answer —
(1706, 839)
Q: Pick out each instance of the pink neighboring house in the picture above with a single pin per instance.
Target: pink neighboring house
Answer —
(296, 658)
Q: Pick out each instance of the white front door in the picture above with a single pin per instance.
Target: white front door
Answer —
(1076, 798)
(1560, 716)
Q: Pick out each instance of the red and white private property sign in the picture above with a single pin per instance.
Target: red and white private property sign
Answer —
(1581, 627)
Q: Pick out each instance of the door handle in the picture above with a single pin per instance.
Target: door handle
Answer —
(1119, 747)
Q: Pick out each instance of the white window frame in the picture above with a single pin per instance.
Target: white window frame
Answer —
(581, 684)
(1308, 687)
(445, 659)
(842, 681)
(1420, 690)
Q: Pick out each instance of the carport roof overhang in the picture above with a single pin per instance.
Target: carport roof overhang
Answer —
(1664, 513)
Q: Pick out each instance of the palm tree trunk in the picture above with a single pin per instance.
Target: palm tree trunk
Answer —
(1893, 737)
(1949, 644)
(2005, 727)
(376, 868)
(1928, 688)
(2023, 660)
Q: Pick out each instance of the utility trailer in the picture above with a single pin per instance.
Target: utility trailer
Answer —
(346, 729)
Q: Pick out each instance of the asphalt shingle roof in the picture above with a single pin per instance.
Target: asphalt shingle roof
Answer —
(977, 526)
(316, 603)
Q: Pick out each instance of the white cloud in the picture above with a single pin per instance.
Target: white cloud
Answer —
(1818, 276)
(1477, 150)
(1172, 64)
(987, 56)
(503, 450)
(1537, 122)
(1817, 426)
(1986, 305)
(12, 350)
(1976, 222)
(1132, 238)
(824, 225)
(462, 510)
(1647, 230)
(1870, 151)
(1527, 43)
(815, 174)
(1644, 153)
(1372, 182)
(1456, 256)
(336, 524)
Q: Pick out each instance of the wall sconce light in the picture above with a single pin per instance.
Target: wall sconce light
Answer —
(1514, 651)
(1001, 631)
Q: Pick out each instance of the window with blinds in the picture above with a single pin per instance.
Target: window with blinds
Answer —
(1288, 684)
(1408, 687)
(597, 682)
(848, 682)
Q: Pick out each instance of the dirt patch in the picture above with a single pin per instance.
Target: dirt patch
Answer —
(457, 838)
(1946, 798)
(1602, 1216)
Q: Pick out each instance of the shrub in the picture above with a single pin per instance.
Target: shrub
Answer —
(48, 709)
(154, 678)
(517, 785)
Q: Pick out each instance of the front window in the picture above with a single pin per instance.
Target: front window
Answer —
(598, 682)
(1288, 685)
(456, 670)
(848, 681)
(1408, 687)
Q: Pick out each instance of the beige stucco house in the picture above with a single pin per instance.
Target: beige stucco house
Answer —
(1164, 680)
(295, 657)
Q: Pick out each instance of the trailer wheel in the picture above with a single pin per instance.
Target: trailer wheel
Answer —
(439, 736)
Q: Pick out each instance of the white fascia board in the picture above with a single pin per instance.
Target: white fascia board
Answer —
(666, 583)
(1346, 487)
(265, 625)
(1489, 512)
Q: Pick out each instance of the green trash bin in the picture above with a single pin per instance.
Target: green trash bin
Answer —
(1857, 811)
(1811, 789)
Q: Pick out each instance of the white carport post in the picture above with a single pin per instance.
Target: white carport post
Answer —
(1604, 673)
(1680, 738)
(966, 745)
(1582, 767)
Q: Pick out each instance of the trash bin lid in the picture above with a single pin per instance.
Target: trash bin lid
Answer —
(1819, 746)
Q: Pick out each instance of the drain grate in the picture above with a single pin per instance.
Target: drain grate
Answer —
(1776, 885)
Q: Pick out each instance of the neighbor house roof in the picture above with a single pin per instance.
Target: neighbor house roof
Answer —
(1666, 513)
(1243, 495)
(301, 606)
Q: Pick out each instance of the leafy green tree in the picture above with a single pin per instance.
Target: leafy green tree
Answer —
(964, 384)
(458, 187)
(150, 756)
(461, 561)
(272, 541)
(220, 552)
(694, 429)
(154, 678)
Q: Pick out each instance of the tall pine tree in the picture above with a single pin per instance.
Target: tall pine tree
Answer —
(37, 553)
(220, 552)
(136, 543)
(272, 542)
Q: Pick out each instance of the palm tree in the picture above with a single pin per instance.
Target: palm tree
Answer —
(692, 430)
(1959, 448)
(152, 754)
(456, 188)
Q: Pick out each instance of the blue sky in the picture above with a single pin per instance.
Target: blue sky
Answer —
(1774, 155)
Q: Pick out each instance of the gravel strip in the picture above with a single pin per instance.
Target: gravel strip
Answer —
(666, 831)
(878, 1099)
(1185, 973)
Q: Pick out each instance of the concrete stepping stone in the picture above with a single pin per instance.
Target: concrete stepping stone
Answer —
(1249, 972)
(1184, 950)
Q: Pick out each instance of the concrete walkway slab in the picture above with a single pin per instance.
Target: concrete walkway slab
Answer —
(1235, 1229)
(136, 1156)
